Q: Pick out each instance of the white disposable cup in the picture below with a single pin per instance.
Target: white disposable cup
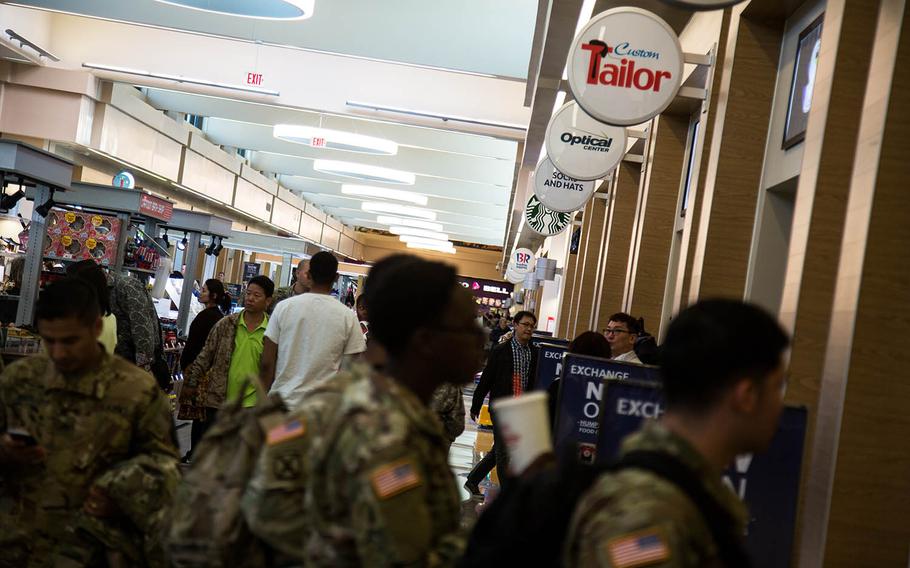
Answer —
(524, 426)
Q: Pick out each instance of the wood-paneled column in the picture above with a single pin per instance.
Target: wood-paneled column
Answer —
(589, 255)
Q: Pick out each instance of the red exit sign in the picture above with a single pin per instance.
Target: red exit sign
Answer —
(254, 79)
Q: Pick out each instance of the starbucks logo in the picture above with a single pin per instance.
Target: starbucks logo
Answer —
(543, 220)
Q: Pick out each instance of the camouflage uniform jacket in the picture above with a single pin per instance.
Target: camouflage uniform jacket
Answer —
(634, 504)
(110, 427)
(209, 371)
(381, 492)
(273, 504)
(280, 295)
(448, 404)
(138, 333)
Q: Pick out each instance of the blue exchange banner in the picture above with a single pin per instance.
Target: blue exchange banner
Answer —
(549, 364)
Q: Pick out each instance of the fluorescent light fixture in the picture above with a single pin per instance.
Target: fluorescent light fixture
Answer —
(386, 220)
(424, 240)
(334, 139)
(427, 114)
(384, 193)
(363, 172)
(179, 79)
(449, 250)
(584, 16)
(399, 230)
(260, 9)
(396, 209)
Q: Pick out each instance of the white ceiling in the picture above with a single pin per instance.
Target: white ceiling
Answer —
(490, 37)
(467, 178)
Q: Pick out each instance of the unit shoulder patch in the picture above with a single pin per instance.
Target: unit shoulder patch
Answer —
(287, 431)
(394, 478)
(641, 548)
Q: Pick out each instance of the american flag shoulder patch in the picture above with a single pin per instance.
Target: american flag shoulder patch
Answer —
(642, 548)
(284, 432)
(394, 478)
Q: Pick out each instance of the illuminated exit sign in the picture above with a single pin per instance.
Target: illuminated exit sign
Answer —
(254, 79)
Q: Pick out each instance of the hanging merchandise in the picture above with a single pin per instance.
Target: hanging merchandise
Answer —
(543, 220)
(79, 236)
(559, 192)
(702, 4)
(581, 146)
(522, 261)
(625, 66)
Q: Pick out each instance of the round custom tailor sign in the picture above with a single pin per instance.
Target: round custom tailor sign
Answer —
(543, 220)
(559, 192)
(522, 261)
(703, 4)
(625, 66)
(581, 146)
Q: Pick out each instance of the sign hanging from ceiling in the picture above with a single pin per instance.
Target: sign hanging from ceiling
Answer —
(559, 192)
(581, 146)
(543, 220)
(625, 66)
(513, 277)
(522, 261)
(703, 4)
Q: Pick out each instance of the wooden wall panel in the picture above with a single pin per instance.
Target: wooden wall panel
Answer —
(592, 234)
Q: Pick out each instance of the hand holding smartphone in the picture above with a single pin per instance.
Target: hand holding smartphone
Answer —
(19, 447)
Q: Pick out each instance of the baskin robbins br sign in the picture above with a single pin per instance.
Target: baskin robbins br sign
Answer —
(625, 66)
(581, 146)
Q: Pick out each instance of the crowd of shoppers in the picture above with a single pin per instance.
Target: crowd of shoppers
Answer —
(353, 469)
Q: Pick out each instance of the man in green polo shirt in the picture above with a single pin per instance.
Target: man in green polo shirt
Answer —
(231, 354)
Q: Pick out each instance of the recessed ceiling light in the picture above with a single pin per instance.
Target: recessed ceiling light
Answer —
(449, 250)
(400, 230)
(424, 241)
(386, 220)
(363, 172)
(262, 9)
(395, 209)
(384, 193)
(334, 139)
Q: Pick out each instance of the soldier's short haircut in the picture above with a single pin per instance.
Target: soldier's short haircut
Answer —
(715, 343)
(91, 272)
(522, 315)
(70, 297)
(323, 268)
(265, 283)
(400, 285)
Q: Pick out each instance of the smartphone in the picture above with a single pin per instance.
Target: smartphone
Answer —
(22, 436)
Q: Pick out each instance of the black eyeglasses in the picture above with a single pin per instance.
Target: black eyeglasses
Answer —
(608, 331)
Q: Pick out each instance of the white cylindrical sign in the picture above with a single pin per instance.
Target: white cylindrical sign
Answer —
(513, 277)
(581, 146)
(543, 220)
(625, 66)
(703, 4)
(558, 191)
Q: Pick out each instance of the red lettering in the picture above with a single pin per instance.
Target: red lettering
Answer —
(249, 78)
(659, 76)
(609, 75)
(594, 61)
(649, 79)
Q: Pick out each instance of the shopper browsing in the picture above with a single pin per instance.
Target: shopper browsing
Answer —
(217, 303)
(232, 353)
(621, 333)
(723, 376)
(308, 335)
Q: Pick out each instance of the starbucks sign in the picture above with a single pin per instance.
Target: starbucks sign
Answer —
(558, 191)
(543, 220)
(581, 146)
(625, 66)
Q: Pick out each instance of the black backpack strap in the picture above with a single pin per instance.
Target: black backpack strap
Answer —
(722, 525)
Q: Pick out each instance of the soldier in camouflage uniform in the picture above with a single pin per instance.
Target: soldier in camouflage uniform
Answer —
(723, 378)
(380, 489)
(88, 462)
(448, 404)
(300, 286)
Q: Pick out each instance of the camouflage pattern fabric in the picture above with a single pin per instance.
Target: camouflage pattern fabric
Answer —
(273, 504)
(280, 295)
(623, 507)
(110, 427)
(138, 333)
(209, 371)
(380, 491)
(448, 404)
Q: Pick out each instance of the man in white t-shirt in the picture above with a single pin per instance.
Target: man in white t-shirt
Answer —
(308, 335)
(621, 332)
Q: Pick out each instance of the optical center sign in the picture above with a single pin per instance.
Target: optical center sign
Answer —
(625, 66)
(581, 146)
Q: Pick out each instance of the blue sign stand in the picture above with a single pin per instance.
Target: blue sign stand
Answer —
(768, 483)
(580, 396)
(549, 364)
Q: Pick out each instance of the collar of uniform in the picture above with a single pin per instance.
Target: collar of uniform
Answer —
(654, 436)
(412, 406)
(90, 383)
(239, 320)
